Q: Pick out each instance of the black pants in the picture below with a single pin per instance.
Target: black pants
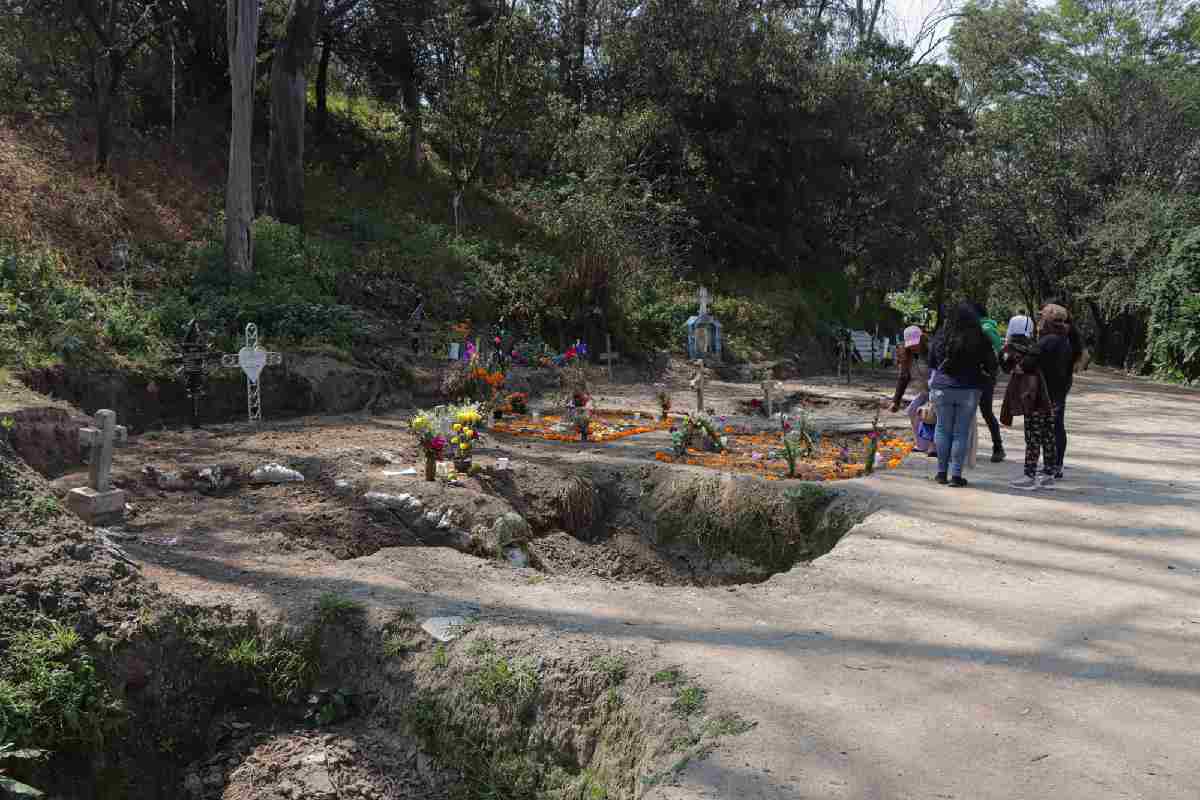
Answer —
(987, 394)
(1060, 431)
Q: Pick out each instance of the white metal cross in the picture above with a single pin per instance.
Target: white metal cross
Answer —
(252, 359)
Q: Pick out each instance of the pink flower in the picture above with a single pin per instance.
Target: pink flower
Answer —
(437, 443)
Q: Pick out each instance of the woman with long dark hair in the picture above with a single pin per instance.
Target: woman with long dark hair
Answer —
(963, 358)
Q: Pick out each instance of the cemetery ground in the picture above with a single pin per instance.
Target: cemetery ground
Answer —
(978, 643)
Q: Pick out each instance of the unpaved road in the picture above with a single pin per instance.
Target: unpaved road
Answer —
(975, 644)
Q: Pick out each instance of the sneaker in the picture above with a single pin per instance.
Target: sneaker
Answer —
(998, 455)
(1045, 482)
(959, 482)
(1025, 483)
(1058, 474)
(931, 453)
(941, 479)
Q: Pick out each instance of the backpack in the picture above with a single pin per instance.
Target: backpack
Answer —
(1026, 394)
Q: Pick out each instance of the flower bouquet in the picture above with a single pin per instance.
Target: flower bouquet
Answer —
(432, 443)
(464, 435)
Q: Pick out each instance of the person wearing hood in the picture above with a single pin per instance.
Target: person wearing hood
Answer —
(962, 358)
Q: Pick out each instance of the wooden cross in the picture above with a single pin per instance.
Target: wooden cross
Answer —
(252, 359)
(609, 356)
(700, 387)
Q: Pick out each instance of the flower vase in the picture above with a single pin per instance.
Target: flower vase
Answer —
(430, 467)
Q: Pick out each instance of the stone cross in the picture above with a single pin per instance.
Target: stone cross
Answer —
(251, 359)
(98, 503)
(703, 301)
(91, 439)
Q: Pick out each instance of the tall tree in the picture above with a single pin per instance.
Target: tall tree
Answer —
(289, 99)
(242, 21)
(289, 89)
(113, 32)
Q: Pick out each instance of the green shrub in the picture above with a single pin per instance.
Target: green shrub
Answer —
(50, 693)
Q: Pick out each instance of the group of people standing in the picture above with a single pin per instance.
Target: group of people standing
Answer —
(956, 373)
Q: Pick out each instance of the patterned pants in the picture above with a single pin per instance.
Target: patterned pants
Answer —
(1039, 439)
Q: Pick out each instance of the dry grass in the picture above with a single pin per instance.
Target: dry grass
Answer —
(752, 519)
(577, 505)
(50, 194)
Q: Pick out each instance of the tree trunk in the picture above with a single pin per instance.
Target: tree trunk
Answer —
(107, 79)
(103, 131)
(580, 47)
(323, 86)
(289, 96)
(412, 109)
(242, 20)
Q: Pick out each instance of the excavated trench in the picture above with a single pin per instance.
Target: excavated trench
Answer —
(131, 693)
(652, 523)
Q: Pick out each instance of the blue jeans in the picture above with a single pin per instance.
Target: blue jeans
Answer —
(955, 416)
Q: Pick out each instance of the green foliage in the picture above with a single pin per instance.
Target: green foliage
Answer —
(441, 657)
(689, 700)
(727, 724)
(291, 295)
(333, 608)
(287, 664)
(1174, 294)
(510, 684)
(50, 692)
(667, 677)
(614, 668)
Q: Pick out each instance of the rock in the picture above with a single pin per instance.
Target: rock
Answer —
(510, 528)
(214, 778)
(166, 481)
(517, 557)
(315, 782)
(343, 487)
(383, 457)
(193, 786)
(214, 479)
(444, 629)
(275, 473)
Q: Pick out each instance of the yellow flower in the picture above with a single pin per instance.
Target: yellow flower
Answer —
(468, 432)
(454, 440)
(456, 427)
(464, 446)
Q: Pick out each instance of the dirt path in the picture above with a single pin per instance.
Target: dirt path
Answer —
(979, 643)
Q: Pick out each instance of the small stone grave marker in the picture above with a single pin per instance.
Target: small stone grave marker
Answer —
(98, 503)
